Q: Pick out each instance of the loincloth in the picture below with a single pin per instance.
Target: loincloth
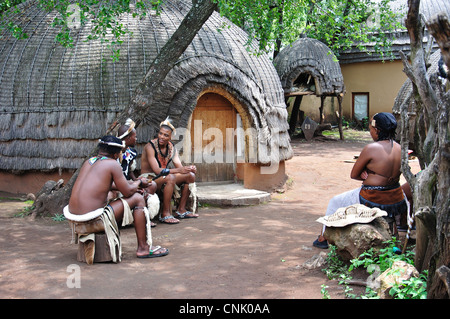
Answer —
(99, 220)
(391, 199)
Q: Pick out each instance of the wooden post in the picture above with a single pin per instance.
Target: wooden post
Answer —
(341, 133)
(322, 102)
(294, 114)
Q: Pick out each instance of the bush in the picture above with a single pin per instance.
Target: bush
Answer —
(375, 263)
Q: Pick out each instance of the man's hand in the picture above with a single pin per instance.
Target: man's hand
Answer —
(189, 169)
(144, 182)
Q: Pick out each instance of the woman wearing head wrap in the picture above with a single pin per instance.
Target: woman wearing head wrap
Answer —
(378, 166)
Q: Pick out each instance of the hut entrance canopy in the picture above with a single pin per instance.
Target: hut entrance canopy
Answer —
(56, 102)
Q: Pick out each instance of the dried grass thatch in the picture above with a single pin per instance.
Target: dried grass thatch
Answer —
(312, 57)
(56, 102)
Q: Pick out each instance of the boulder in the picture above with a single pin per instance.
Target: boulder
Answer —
(399, 272)
(354, 239)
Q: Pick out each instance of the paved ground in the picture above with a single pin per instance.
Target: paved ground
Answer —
(242, 252)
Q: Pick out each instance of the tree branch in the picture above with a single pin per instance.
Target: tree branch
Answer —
(414, 23)
(142, 99)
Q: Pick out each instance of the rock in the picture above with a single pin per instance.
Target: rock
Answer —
(399, 272)
(352, 240)
(316, 261)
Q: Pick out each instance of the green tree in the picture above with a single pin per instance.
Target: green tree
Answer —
(273, 23)
(339, 24)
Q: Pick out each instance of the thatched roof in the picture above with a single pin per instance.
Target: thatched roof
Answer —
(400, 38)
(55, 102)
(309, 57)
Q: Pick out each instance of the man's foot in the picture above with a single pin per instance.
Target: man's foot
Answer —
(156, 251)
(168, 220)
(321, 242)
(186, 214)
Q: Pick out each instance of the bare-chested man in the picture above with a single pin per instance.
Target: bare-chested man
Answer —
(89, 195)
(156, 156)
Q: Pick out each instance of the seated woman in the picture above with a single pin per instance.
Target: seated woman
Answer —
(378, 166)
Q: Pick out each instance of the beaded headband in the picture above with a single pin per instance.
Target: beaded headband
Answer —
(167, 123)
(131, 124)
(112, 144)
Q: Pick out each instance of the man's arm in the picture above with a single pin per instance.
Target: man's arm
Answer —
(179, 168)
(121, 183)
(131, 172)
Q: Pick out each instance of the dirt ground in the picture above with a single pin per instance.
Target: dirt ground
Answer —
(254, 252)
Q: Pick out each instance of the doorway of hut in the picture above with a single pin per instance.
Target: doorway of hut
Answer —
(214, 143)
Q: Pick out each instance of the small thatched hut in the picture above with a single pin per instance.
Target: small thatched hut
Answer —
(308, 67)
(56, 102)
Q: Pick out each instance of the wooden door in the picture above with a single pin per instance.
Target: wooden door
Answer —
(211, 118)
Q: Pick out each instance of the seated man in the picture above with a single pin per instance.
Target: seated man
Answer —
(127, 133)
(156, 157)
(88, 201)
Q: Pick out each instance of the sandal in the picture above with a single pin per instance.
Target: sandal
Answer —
(163, 220)
(185, 215)
(151, 253)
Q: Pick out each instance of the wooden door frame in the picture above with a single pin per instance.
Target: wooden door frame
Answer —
(240, 109)
(353, 102)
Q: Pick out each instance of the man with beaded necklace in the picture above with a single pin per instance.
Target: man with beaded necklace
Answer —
(156, 157)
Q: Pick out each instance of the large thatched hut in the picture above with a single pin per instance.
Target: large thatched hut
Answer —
(56, 102)
(307, 67)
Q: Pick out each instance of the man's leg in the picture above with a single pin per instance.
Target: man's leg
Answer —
(136, 203)
(184, 180)
(169, 186)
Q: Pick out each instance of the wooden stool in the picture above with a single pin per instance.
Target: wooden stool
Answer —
(102, 252)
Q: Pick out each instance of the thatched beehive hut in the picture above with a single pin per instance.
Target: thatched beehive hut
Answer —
(56, 102)
(308, 67)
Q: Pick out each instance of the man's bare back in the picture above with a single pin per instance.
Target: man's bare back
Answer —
(94, 182)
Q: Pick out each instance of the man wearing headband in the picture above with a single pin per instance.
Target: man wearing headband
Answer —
(158, 154)
(127, 133)
(378, 167)
(89, 212)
